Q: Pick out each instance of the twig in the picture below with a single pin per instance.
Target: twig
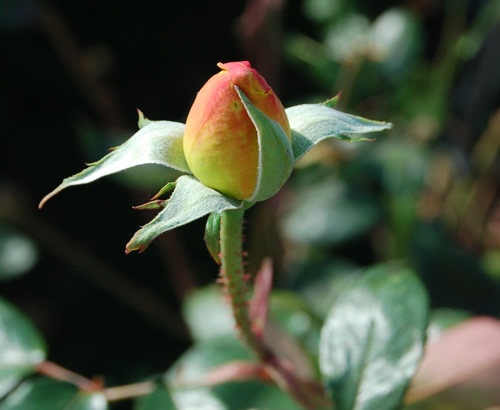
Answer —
(57, 372)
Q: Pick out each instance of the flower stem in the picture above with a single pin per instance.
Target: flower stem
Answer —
(232, 276)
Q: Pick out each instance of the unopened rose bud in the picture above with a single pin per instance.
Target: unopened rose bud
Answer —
(221, 140)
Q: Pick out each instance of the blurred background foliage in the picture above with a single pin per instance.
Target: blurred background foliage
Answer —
(71, 77)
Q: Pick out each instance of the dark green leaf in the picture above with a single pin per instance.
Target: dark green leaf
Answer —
(328, 212)
(190, 200)
(291, 314)
(242, 395)
(321, 280)
(87, 401)
(312, 123)
(47, 394)
(159, 399)
(344, 41)
(442, 320)
(207, 314)
(322, 10)
(18, 254)
(313, 61)
(403, 165)
(21, 347)
(395, 41)
(332, 102)
(373, 339)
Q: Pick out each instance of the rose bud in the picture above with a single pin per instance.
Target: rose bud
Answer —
(224, 144)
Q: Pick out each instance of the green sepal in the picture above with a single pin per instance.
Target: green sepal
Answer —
(159, 142)
(190, 200)
(143, 121)
(332, 102)
(212, 236)
(165, 190)
(151, 205)
(312, 123)
(275, 153)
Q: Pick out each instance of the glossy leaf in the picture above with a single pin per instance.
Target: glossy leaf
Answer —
(312, 123)
(159, 142)
(21, 347)
(442, 320)
(207, 314)
(293, 331)
(345, 41)
(208, 355)
(373, 339)
(467, 355)
(47, 394)
(190, 200)
(18, 254)
(321, 280)
(328, 212)
(159, 399)
(275, 153)
(394, 41)
(87, 401)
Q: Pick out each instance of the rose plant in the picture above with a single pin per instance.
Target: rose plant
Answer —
(238, 147)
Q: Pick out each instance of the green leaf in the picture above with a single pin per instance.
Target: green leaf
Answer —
(289, 312)
(42, 393)
(165, 190)
(212, 236)
(87, 401)
(328, 212)
(21, 347)
(18, 254)
(275, 153)
(198, 399)
(143, 121)
(159, 399)
(159, 142)
(203, 357)
(373, 339)
(395, 42)
(197, 362)
(332, 102)
(312, 123)
(444, 319)
(321, 279)
(208, 302)
(190, 200)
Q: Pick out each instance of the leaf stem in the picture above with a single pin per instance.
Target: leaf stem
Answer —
(58, 372)
(232, 277)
